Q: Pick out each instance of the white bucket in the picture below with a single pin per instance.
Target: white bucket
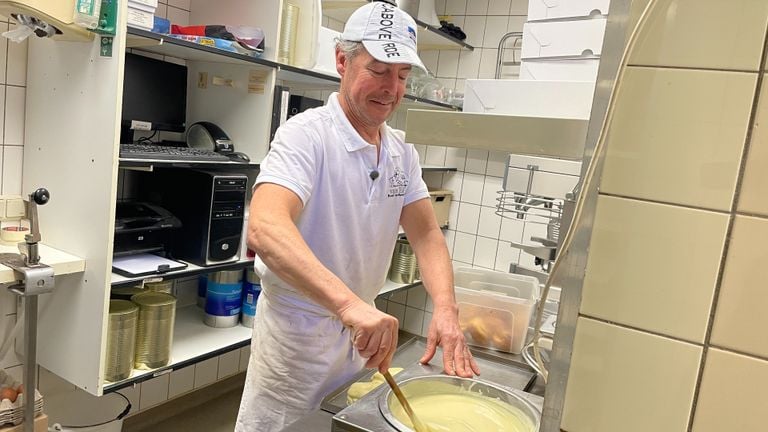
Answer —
(70, 410)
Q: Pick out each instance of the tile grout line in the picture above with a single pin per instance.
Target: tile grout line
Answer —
(729, 231)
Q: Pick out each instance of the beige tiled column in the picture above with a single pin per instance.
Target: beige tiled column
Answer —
(672, 329)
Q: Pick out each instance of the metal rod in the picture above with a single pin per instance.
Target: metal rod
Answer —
(30, 361)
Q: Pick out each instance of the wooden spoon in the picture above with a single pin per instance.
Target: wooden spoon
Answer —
(417, 425)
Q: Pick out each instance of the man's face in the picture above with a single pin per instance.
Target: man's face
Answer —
(371, 89)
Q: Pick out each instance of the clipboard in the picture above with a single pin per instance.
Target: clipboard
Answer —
(144, 264)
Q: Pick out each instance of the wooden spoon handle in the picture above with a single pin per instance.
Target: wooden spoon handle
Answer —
(417, 425)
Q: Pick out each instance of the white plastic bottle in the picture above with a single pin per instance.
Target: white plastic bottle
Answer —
(87, 13)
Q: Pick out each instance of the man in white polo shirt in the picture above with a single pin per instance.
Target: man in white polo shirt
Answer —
(324, 218)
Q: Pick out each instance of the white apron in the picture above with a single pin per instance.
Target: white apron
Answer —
(310, 355)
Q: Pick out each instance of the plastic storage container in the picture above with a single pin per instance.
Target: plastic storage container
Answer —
(495, 308)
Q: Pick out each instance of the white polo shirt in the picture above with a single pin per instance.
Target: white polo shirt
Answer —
(349, 220)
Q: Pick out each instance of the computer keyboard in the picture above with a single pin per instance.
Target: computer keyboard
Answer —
(159, 152)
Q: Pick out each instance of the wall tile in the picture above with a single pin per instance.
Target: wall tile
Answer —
(485, 252)
(162, 10)
(206, 371)
(474, 28)
(741, 304)
(228, 364)
(700, 133)
(153, 392)
(680, 34)
(515, 24)
(4, 53)
(181, 4)
(417, 297)
(450, 238)
(653, 266)
(469, 216)
(425, 324)
(497, 164)
(506, 255)
(440, 7)
(519, 7)
(447, 64)
(477, 7)
(469, 64)
(453, 181)
(17, 62)
(487, 64)
(619, 381)
(477, 161)
(499, 7)
(472, 188)
(13, 157)
(133, 394)
(464, 248)
(489, 224)
(414, 320)
(181, 381)
(7, 303)
(455, 7)
(400, 297)
(381, 303)
(398, 311)
(491, 190)
(511, 229)
(15, 104)
(732, 394)
(435, 156)
(430, 59)
(455, 157)
(178, 16)
(755, 182)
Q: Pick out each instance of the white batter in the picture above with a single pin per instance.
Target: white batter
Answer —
(464, 412)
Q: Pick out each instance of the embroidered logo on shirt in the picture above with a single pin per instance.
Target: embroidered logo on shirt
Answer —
(397, 183)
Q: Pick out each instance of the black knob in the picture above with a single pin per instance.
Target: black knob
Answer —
(41, 196)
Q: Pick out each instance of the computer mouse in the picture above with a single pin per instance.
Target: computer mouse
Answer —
(238, 157)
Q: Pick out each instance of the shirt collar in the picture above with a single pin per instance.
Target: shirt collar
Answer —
(352, 139)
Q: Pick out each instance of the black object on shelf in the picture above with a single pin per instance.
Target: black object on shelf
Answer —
(452, 30)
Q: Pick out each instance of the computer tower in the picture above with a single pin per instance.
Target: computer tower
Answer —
(211, 207)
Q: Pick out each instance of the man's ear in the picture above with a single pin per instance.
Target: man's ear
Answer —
(341, 62)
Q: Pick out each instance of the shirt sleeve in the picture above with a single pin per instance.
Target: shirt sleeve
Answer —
(292, 160)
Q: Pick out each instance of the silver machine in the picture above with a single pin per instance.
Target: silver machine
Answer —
(32, 279)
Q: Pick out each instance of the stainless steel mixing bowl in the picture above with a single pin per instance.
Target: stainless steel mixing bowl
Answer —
(441, 384)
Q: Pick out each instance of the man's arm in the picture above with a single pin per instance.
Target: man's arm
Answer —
(273, 235)
(426, 238)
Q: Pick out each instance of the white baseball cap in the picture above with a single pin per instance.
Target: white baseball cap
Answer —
(386, 31)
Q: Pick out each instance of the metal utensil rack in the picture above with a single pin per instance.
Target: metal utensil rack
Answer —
(516, 47)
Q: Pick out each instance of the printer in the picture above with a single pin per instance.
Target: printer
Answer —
(142, 227)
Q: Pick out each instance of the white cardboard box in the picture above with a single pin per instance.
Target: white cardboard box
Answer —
(552, 99)
(560, 70)
(563, 39)
(557, 9)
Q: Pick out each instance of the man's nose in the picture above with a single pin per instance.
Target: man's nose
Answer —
(390, 82)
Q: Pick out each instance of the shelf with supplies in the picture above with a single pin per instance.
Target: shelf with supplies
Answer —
(290, 76)
(62, 262)
(431, 168)
(190, 270)
(429, 38)
(193, 342)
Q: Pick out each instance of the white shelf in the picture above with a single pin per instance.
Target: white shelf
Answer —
(190, 270)
(62, 262)
(390, 286)
(193, 341)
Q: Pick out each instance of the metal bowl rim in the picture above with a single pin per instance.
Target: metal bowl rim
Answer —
(394, 422)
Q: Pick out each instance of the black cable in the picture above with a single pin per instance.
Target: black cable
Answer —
(147, 139)
(119, 416)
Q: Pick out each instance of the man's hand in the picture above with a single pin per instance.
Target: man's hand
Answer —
(374, 333)
(444, 331)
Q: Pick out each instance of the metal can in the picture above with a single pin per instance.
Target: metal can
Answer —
(223, 298)
(154, 337)
(121, 339)
(251, 291)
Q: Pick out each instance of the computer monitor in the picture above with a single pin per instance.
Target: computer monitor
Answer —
(154, 91)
